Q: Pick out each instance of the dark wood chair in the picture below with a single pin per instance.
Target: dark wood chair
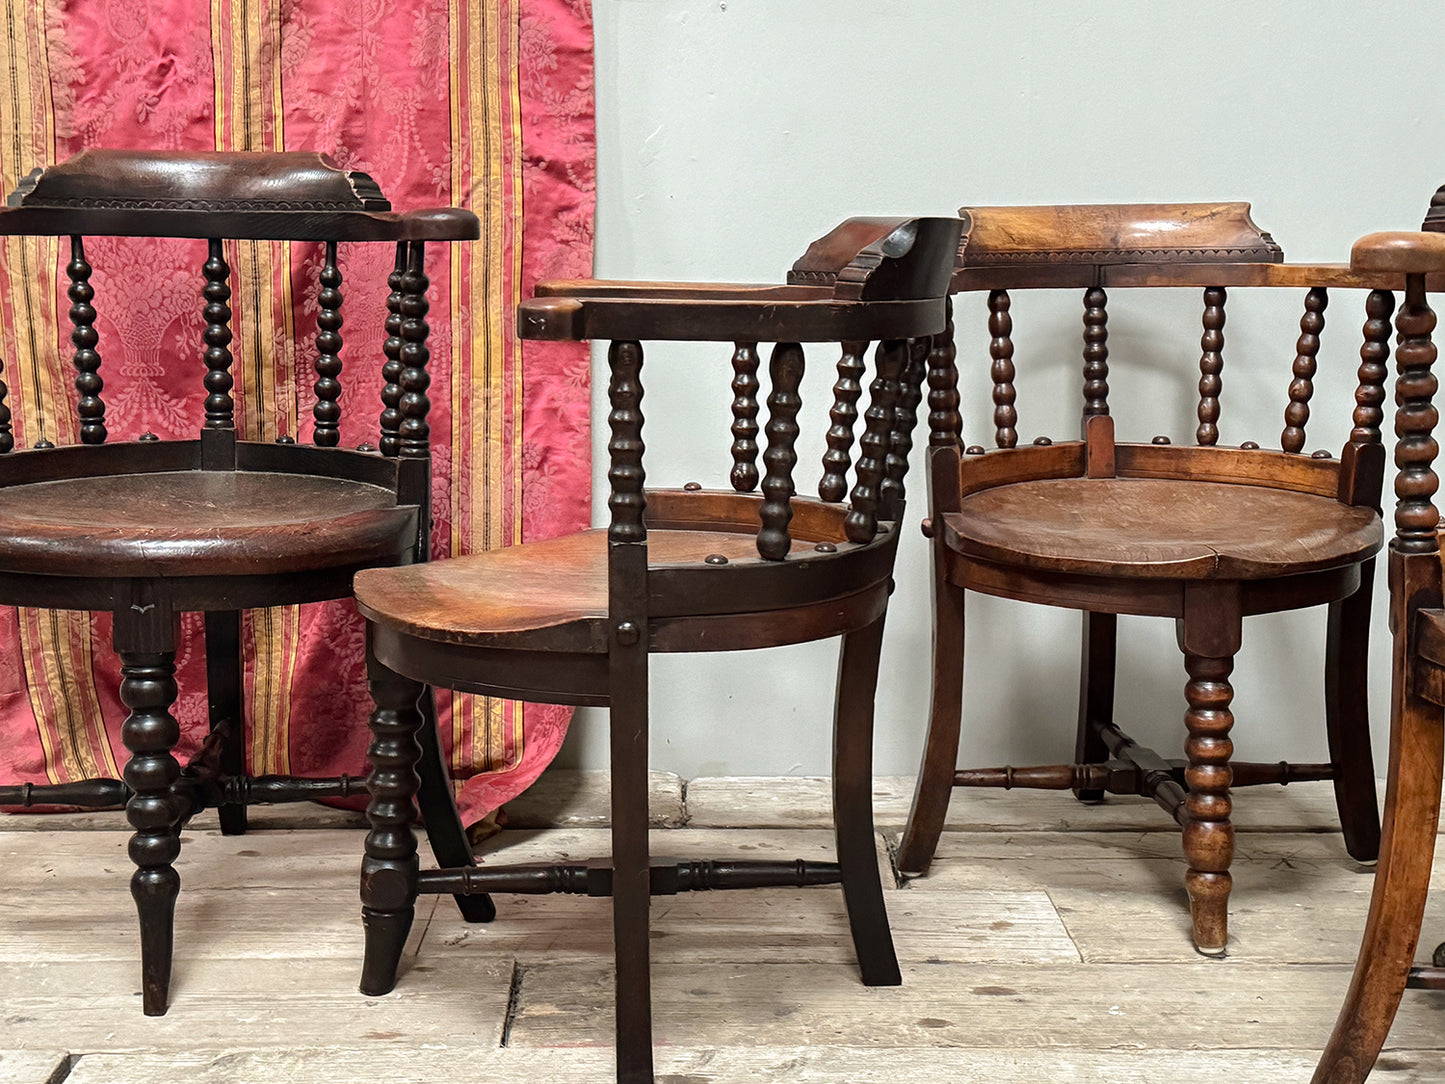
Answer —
(1202, 533)
(1417, 690)
(574, 620)
(147, 529)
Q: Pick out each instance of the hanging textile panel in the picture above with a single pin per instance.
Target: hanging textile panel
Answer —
(483, 104)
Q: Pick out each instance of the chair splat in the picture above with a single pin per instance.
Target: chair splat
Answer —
(88, 383)
(220, 409)
(327, 410)
(745, 386)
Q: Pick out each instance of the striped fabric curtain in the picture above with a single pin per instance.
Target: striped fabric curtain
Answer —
(485, 104)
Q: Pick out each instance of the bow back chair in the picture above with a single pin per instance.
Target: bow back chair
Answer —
(146, 529)
(1199, 532)
(574, 620)
(1383, 970)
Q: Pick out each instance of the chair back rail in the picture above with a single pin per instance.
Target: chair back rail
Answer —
(1216, 246)
(871, 281)
(236, 196)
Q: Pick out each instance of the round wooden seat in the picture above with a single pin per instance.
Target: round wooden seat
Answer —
(541, 590)
(199, 522)
(1160, 528)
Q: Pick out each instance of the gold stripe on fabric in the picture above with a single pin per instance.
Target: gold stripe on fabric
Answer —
(458, 101)
(35, 686)
(484, 134)
(263, 692)
(265, 376)
(217, 21)
(71, 628)
(61, 688)
(460, 196)
(514, 708)
(22, 349)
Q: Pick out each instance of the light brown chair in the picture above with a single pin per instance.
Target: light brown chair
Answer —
(1198, 532)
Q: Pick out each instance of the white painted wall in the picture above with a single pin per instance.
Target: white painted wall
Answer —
(732, 132)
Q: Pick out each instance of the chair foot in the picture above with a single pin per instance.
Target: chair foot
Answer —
(150, 732)
(233, 820)
(1209, 909)
(386, 934)
(1208, 833)
(389, 868)
(155, 891)
(478, 908)
(853, 806)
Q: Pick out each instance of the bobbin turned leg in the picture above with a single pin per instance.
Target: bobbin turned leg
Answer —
(389, 870)
(853, 805)
(145, 640)
(1209, 637)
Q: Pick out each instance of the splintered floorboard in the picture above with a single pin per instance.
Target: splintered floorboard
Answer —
(1049, 941)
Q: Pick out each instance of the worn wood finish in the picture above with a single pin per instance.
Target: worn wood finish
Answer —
(1417, 727)
(146, 529)
(1183, 529)
(576, 619)
(1202, 533)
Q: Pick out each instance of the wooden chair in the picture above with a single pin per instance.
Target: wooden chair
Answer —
(1417, 690)
(574, 620)
(147, 529)
(1202, 533)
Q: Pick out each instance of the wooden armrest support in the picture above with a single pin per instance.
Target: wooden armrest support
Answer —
(1401, 252)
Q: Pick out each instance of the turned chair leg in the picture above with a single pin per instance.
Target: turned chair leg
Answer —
(940, 754)
(1096, 693)
(1347, 719)
(1209, 635)
(631, 867)
(145, 640)
(853, 805)
(445, 832)
(1402, 881)
(389, 870)
(226, 697)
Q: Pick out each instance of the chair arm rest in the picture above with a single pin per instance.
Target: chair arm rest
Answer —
(1400, 251)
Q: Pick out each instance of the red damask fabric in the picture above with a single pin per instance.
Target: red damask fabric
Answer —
(485, 104)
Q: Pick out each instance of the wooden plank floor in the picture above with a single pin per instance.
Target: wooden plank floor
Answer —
(1049, 942)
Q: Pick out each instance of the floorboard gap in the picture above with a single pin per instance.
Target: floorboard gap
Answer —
(514, 1003)
(63, 1069)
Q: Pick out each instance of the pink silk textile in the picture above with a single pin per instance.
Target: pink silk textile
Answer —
(485, 104)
